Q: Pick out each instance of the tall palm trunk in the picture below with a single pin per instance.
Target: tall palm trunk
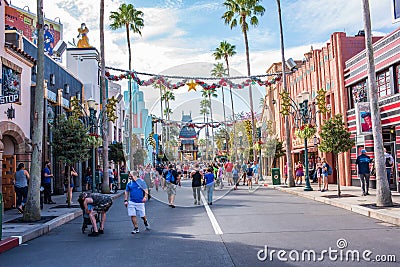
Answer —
(105, 183)
(233, 110)
(32, 208)
(253, 125)
(288, 143)
(223, 108)
(212, 125)
(162, 117)
(130, 123)
(383, 194)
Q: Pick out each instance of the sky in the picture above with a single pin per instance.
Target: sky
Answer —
(179, 32)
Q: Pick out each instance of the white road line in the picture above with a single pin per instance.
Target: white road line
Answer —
(211, 216)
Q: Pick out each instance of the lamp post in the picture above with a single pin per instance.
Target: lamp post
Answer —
(259, 134)
(92, 121)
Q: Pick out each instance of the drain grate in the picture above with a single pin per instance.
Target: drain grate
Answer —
(44, 219)
(341, 196)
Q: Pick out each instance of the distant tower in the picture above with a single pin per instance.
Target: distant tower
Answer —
(187, 140)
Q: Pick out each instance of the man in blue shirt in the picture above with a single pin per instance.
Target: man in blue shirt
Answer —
(136, 191)
(363, 162)
(46, 175)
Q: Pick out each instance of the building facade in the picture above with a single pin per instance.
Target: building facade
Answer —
(387, 66)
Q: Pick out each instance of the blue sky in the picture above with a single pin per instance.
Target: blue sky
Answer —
(177, 32)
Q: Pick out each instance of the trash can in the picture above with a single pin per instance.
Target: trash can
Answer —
(276, 176)
(124, 181)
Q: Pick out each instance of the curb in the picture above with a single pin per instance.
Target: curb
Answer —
(375, 214)
(42, 229)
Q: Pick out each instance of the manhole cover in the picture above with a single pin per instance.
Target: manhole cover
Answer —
(65, 206)
(44, 219)
(342, 195)
(373, 206)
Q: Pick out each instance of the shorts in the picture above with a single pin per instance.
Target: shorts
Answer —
(299, 173)
(136, 209)
(111, 180)
(171, 189)
(249, 177)
(228, 175)
(324, 176)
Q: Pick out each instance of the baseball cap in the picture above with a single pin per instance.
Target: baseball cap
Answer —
(363, 151)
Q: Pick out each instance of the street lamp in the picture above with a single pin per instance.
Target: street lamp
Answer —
(259, 134)
(92, 121)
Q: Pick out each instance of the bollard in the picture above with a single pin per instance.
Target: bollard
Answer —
(1, 216)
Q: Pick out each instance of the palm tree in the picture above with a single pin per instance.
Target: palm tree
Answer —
(224, 51)
(161, 88)
(208, 93)
(167, 97)
(105, 186)
(219, 71)
(383, 194)
(288, 140)
(130, 18)
(242, 10)
(32, 208)
(204, 110)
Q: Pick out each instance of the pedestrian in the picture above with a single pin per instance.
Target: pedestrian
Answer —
(362, 163)
(244, 172)
(326, 170)
(299, 173)
(228, 172)
(389, 162)
(47, 176)
(137, 193)
(318, 172)
(171, 180)
(21, 179)
(147, 179)
(88, 178)
(255, 171)
(221, 176)
(196, 177)
(68, 193)
(249, 176)
(285, 173)
(94, 203)
(209, 184)
(235, 176)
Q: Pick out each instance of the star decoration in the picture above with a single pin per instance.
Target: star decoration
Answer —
(192, 85)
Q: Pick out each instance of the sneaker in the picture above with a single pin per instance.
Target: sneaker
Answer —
(94, 234)
(367, 194)
(172, 206)
(20, 210)
(147, 225)
(101, 231)
(135, 231)
(195, 202)
(198, 203)
(363, 194)
(323, 190)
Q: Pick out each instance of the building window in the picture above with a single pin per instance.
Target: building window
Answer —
(398, 78)
(10, 90)
(383, 83)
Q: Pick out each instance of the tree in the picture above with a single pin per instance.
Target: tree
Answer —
(132, 19)
(167, 97)
(70, 143)
(204, 110)
(383, 194)
(242, 10)
(336, 139)
(208, 93)
(105, 186)
(32, 207)
(224, 51)
(288, 139)
(116, 152)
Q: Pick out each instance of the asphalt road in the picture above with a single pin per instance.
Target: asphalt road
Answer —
(246, 223)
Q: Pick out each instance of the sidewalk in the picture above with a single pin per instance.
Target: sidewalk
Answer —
(16, 232)
(350, 199)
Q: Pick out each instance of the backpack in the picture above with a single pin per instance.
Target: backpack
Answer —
(329, 169)
(250, 171)
(170, 177)
(387, 162)
(235, 172)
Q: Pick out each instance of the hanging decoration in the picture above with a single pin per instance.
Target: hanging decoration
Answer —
(192, 86)
(162, 79)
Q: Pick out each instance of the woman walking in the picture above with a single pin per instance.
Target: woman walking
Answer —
(69, 190)
(299, 173)
(209, 182)
(196, 177)
(21, 178)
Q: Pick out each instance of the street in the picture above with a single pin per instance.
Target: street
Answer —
(186, 236)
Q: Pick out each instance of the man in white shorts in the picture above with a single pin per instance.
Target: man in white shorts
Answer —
(137, 193)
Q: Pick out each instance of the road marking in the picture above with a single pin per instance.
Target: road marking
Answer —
(211, 216)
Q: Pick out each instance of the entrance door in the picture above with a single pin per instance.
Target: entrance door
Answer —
(9, 166)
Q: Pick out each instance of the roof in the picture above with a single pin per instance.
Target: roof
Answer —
(20, 52)
(187, 132)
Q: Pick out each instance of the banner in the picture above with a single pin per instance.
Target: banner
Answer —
(363, 118)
